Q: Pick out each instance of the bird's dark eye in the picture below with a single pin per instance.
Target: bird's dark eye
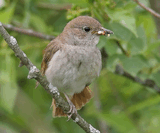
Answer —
(87, 29)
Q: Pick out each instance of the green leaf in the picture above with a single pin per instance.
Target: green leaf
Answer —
(27, 13)
(112, 62)
(150, 120)
(6, 15)
(156, 77)
(119, 121)
(136, 45)
(152, 47)
(6, 128)
(147, 21)
(133, 64)
(121, 31)
(144, 104)
(83, 3)
(111, 47)
(9, 87)
(124, 16)
(96, 13)
(38, 23)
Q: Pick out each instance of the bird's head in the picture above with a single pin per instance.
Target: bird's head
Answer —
(85, 31)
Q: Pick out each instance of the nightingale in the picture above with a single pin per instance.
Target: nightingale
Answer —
(72, 61)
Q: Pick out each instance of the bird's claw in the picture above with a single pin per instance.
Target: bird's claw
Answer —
(71, 111)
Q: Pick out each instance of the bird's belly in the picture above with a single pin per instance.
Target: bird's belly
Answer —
(83, 75)
(71, 76)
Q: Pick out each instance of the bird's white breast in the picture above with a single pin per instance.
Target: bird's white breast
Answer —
(72, 68)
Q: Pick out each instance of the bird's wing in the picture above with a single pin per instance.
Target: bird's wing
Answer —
(48, 53)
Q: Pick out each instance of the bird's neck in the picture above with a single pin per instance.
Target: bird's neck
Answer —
(66, 38)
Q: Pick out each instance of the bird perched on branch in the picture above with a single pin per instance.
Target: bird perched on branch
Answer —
(72, 61)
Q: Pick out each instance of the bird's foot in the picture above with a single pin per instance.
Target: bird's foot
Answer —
(72, 109)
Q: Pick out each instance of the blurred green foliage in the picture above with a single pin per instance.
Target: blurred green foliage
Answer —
(126, 106)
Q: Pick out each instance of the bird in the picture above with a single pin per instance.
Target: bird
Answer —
(72, 61)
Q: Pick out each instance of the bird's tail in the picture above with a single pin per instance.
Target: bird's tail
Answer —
(79, 100)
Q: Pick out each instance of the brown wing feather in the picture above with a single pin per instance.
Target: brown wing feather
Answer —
(48, 53)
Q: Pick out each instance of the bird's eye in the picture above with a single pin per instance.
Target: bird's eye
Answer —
(87, 29)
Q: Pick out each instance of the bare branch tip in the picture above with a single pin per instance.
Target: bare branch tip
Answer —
(93, 130)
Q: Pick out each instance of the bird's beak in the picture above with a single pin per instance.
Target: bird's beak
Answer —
(104, 31)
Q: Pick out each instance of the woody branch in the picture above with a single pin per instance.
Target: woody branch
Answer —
(147, 83)
(148, 9)
(34, 73)
(28, 32)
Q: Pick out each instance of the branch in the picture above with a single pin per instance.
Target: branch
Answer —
(148, 82)
(154, 5)
(35, 73)
(148, 9)
(28, 32)
(122, 49)
(54, 6)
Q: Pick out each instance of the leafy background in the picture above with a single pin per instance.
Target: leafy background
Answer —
(120, 105)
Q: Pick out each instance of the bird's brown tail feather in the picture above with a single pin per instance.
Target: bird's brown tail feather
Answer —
(79, 100)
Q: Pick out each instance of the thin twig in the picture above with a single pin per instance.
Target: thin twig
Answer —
(148, 82)
(148, 9)
(54, 6)
(122, 49)
(35, 73)
(28, 32)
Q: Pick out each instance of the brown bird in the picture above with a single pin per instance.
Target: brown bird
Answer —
(72, 61)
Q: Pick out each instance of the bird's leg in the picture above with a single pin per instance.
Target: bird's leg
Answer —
(72, 110)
